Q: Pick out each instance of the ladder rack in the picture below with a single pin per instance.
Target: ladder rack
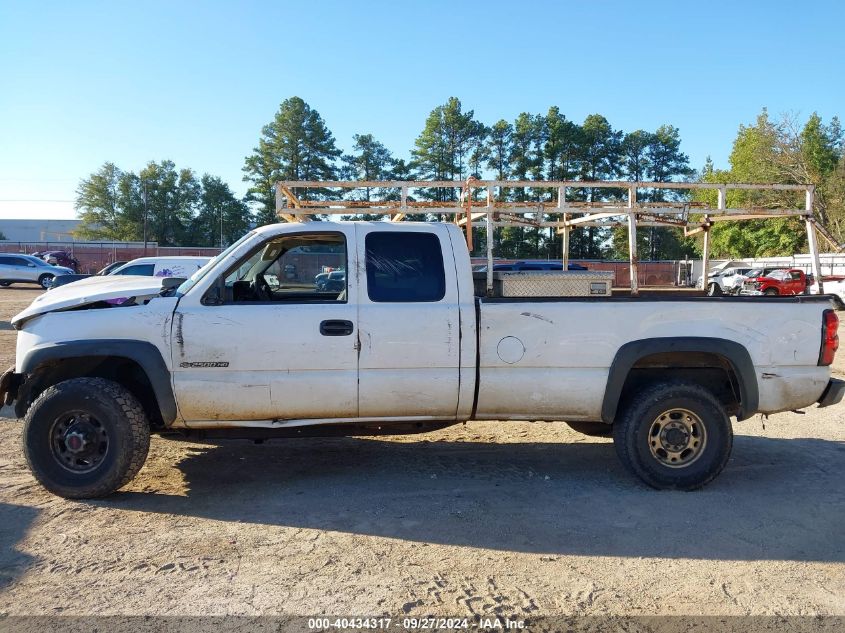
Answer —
(484, 202)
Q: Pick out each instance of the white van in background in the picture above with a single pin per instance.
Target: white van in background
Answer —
(183, 266)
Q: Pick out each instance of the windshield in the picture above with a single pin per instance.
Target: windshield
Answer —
(193, 279)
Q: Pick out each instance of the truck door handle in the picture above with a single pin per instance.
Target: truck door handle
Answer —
(336, 327)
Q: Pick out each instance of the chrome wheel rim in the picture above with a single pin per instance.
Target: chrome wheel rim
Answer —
(677, 438)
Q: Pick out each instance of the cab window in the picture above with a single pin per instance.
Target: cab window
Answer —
(299, 268)
(404, 267)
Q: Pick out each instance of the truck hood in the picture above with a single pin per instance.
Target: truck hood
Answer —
(94, 290)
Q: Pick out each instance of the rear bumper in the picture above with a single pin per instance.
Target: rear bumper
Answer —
(833, 393)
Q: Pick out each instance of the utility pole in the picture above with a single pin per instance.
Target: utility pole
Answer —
(145, 218)
(221, 226)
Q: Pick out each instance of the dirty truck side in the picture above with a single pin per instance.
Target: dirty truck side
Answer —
(252, 347)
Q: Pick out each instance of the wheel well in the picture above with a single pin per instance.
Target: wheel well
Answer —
(121, 370)
(712, 371)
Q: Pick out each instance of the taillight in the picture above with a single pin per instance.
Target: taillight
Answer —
(830, 337)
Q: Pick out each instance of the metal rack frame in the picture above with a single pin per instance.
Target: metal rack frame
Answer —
(693, 218)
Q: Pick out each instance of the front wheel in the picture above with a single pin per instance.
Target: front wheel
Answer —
(85, 438)
(5, 284)
(714, 290)
(770, 292)
(673, 436)
(45, 281)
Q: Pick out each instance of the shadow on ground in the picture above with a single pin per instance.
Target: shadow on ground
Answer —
(15, 522)
(779, 499)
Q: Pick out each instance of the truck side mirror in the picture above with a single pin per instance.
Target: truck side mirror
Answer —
(214, 296)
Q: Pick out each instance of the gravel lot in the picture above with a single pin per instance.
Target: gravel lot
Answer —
(511, 519)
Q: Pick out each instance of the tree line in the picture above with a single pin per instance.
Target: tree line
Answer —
(161, 204)
(297, 144)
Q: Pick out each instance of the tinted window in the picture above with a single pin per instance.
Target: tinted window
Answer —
(6, 261)
(137, 269)
(403, 267)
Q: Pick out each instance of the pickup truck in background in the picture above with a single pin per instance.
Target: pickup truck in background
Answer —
(777, 282)
(240, 350)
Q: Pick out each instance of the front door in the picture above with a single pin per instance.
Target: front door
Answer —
(276, 346)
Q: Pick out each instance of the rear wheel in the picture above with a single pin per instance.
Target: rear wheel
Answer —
(593, 429)
(673, 436)
(45, 280)
(85, 438)
(5, 284)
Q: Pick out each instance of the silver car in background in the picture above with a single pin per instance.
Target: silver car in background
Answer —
(16, 268)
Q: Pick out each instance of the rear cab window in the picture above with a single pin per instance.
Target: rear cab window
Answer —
(404, 267)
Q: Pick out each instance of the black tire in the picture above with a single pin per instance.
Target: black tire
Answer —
(119, 428)
(771, 292)
(714, 290)
(5, 284)
(638, 448)
(45, 280)
(593, 429)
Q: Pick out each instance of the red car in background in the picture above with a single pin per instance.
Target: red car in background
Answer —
(58, 258)
(777, 282)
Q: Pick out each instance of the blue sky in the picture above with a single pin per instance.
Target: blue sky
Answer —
(86, 82)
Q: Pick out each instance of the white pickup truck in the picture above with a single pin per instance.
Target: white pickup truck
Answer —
(249, 347)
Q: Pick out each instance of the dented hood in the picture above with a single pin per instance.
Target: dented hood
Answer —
(92, 290)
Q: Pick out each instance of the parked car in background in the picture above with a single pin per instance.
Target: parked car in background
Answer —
(777, 282)
(63, 280)
(58, 258)
(29, 269)
(739, 279)
(335, 282)
(183, 266)
(723, 280)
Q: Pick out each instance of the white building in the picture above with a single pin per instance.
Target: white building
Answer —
(37, 230)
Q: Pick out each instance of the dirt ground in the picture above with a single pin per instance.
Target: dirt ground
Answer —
(511, 519)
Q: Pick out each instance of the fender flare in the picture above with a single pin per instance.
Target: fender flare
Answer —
(145, 354)
(735, 353)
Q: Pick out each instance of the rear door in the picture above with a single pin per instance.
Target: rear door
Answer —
(408, 323)
(26, 270)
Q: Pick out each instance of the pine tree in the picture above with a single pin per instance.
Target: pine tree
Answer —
(634, 153)
(440, 151)
(499, 143)
(296, 145)
(370, 160)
